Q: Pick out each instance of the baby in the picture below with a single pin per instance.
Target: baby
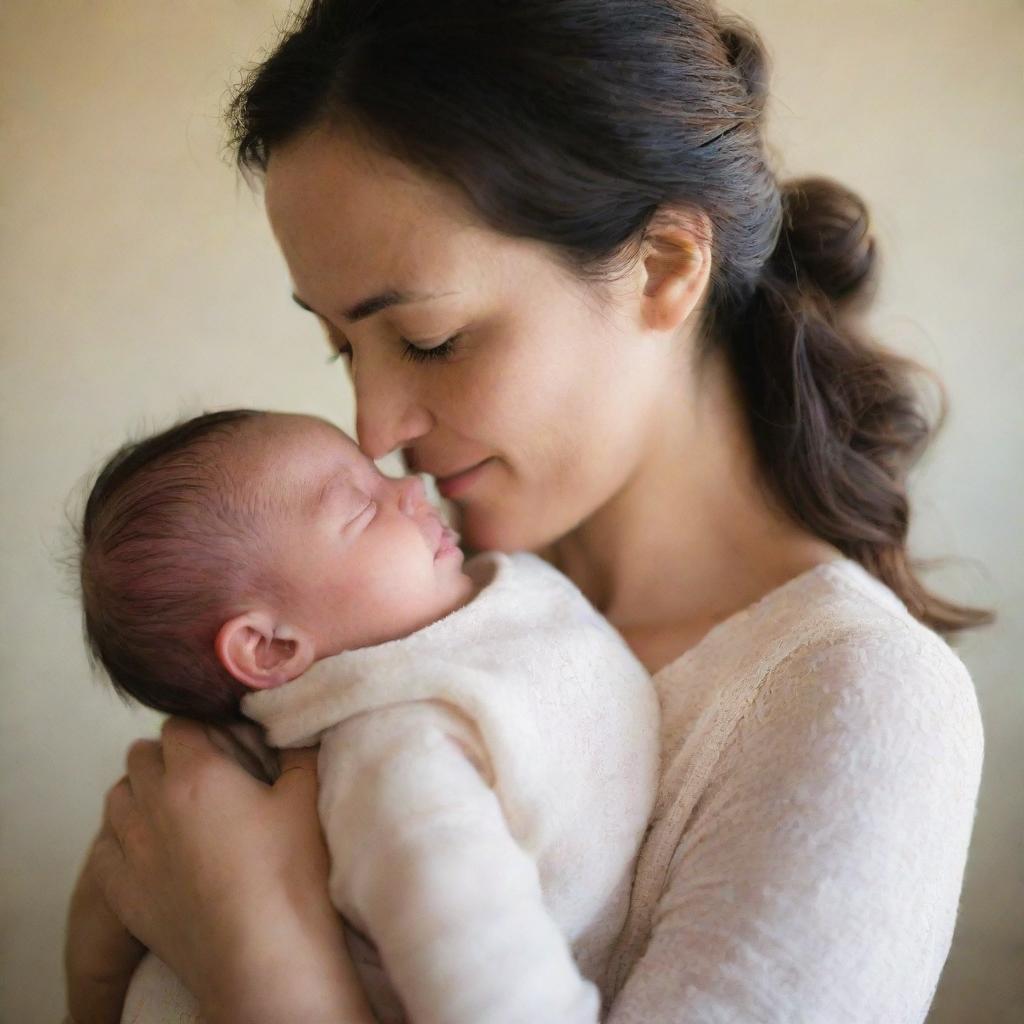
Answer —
(488, 743)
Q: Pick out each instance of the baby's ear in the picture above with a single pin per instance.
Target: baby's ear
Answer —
(262, 653)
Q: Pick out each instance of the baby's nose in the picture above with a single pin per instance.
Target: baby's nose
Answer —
(412, 495)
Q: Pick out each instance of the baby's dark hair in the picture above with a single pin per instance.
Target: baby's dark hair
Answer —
(168, 547)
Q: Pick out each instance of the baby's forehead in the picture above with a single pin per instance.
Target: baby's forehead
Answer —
(302, 450)
(324, 441)
(292, 433)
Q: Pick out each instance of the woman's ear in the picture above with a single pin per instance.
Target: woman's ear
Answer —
(676, 268)
(262, 653)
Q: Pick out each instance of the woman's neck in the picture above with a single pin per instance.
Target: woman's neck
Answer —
(691, 537)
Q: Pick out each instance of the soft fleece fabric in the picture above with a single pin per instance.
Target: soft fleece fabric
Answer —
(486, 778)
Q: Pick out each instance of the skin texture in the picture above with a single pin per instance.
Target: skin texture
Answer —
(610, 452)
(354, 557)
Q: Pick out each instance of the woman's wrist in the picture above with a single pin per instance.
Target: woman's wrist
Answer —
(98, 1002)
(277, 975)
(282, 993)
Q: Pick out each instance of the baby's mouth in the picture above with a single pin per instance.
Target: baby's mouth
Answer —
(449, 542)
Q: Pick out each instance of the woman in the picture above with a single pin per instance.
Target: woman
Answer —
(547, 239)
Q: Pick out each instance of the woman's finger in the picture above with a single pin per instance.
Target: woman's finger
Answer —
(113, 875)
(145, 764)
(300, 757)
(193, 752)
(184, 741)
(106, 831)
(298, 769)
(106, 857)
(118, 810)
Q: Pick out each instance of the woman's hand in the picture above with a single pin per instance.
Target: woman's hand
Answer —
(225, 879)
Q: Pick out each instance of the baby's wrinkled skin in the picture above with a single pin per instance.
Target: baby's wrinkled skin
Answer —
(356, 557)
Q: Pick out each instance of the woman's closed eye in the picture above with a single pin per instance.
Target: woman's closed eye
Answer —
(423, 354)
(419, 352)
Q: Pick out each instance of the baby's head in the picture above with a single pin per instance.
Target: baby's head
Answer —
(232, 551)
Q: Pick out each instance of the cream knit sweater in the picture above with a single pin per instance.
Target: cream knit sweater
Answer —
(821, 755)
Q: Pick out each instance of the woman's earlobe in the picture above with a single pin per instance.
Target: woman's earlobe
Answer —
(261, 653)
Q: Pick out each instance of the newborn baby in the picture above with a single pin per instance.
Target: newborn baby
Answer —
(488, 743)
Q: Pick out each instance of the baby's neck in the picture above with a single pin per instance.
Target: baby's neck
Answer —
(472, 592)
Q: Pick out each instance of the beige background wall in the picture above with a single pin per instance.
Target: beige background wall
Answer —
(140, 283)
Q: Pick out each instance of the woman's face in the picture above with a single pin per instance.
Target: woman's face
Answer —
(554, 397)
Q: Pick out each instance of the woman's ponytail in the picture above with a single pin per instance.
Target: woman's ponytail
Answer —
(837, 420)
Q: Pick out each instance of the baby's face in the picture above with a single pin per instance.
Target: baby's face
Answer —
(363, 557)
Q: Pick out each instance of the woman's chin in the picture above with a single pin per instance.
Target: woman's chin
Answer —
(483, 532)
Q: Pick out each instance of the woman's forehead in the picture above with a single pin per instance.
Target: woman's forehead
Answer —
(348, 234)
(329, 199)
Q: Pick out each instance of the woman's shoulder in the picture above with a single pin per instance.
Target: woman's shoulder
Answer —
(853, 625)
(831, 651)
(858, 664)
(820, 737)
(839, 741)
(836, 611)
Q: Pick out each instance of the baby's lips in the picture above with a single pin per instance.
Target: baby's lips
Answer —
(449, 541)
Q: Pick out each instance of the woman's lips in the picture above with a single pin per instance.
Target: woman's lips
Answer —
(452, 486)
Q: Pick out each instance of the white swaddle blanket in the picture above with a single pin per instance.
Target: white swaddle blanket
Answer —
(485, 786)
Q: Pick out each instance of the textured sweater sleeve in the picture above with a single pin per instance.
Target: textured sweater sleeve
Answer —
(423, 861)
(818, 878)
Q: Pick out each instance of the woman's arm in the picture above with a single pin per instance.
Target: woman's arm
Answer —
(196, 855)
(100, 954)
(820, 875)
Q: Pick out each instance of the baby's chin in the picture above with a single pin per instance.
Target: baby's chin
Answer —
(464, 588)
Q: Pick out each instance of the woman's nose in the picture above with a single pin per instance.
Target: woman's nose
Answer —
(387, 416)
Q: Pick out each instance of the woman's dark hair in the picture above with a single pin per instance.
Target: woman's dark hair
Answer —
(579, 123)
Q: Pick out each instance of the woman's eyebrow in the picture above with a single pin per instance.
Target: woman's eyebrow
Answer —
(377, 303)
